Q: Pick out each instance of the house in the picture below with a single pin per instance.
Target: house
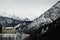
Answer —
(8, 30)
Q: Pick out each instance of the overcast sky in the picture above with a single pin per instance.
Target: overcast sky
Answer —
(25, 8)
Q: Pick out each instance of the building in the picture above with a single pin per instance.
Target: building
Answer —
(8, 30)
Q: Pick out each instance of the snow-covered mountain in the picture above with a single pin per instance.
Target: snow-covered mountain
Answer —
(46, 18)
(6, 21)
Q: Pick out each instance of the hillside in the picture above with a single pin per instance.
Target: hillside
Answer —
(47, 26)
(8, 22)
(46, 18)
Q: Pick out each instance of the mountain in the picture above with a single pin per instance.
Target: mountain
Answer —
(8, 22)
(46, 18)
(47, 26)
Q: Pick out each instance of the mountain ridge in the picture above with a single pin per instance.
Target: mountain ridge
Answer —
(46, 18)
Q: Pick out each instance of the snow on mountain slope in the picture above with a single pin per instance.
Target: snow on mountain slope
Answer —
(48, 17)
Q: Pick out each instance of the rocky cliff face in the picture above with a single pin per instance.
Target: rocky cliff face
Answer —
(46, 18)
